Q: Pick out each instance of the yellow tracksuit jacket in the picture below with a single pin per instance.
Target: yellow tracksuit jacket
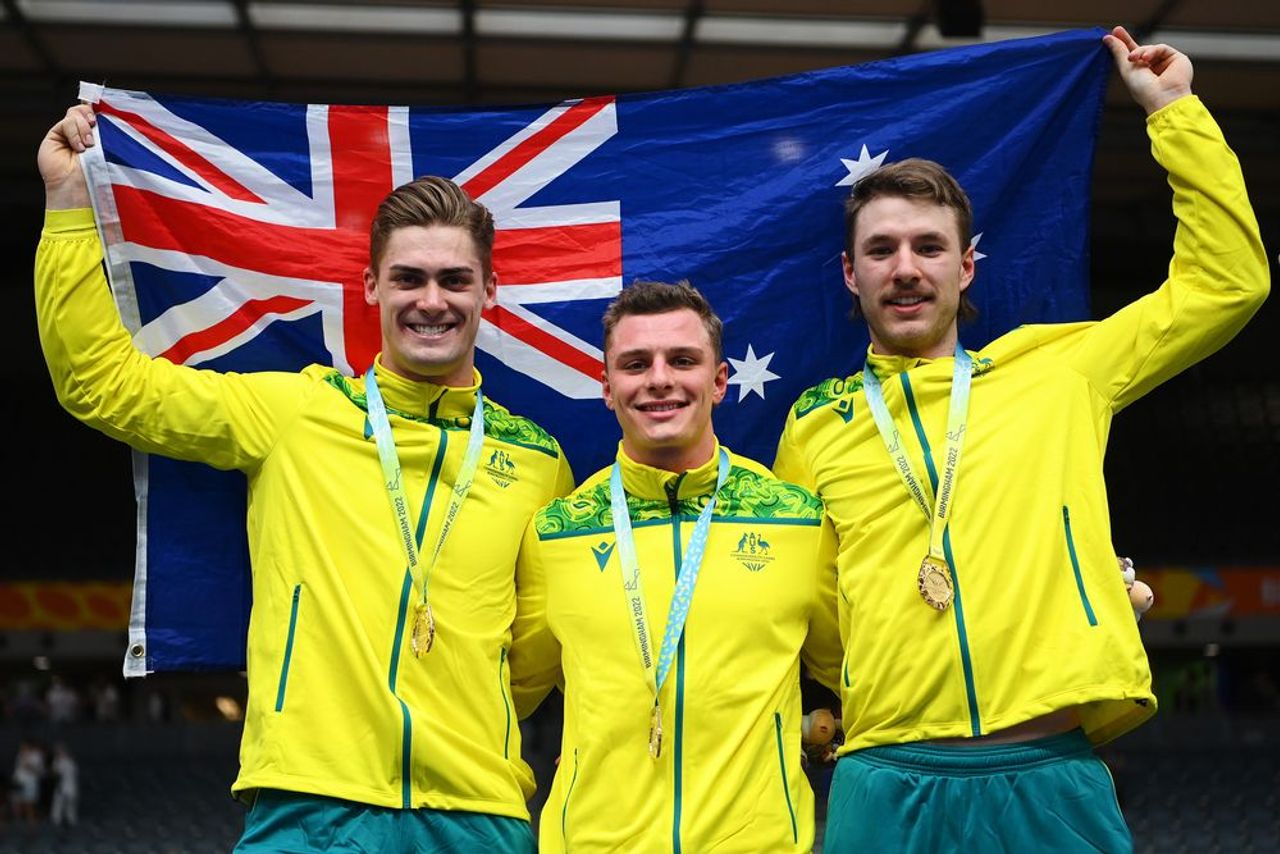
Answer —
(338, 704)
(1040, 621)
(729, 776)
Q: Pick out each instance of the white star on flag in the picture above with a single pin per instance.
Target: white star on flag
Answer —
(860, 167)
(751, 373)
(977, 256)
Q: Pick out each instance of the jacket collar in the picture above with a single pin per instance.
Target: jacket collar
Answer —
(424, 398)
(886, 366)
(642, 481)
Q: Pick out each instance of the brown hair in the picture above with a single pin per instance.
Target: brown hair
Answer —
(659, 298)
(918, 180)
(431, 200)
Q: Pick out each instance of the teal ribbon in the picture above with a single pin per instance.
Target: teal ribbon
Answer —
(681, 599)
(957, 423)
(392, 478)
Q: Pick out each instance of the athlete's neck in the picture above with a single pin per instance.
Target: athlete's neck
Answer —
(463, 376)
(945, 346)
(673, 459)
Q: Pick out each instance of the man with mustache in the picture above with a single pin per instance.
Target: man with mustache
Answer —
(988, 645)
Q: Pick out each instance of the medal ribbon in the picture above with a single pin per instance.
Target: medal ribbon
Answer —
(392, 478)
(681, 598)
(957, 423)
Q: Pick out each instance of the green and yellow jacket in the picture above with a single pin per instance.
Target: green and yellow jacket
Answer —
(1041, 620)
(338, 704)
(729, 776)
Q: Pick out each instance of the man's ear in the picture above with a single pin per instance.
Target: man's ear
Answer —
(967, 268)
(605, 390)
(370, 287)
(722, 383)
(850, 281)
(491, 291)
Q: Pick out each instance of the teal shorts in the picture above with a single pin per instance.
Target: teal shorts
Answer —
(1051, 794)
(288, 822)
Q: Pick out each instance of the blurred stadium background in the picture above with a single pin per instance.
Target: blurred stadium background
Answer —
(1192, 469)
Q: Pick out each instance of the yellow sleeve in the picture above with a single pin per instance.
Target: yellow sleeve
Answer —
(535, 652)
(789, 463)
(822, 652)
(1218, 277)
(564, 477)
(100, 377)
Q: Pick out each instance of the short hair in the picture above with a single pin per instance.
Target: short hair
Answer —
(431, 200)
(642, 297)
(915, 179)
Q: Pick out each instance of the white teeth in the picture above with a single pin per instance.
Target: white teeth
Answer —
(661, 407)
(423, 329)
(906, 300)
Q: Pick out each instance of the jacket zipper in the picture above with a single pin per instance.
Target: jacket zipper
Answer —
(957, 608)
(564, 810)
(673, 503)
(1075, 567)
(786, 787)
(288, 648)
(406, 590)
(506, 706)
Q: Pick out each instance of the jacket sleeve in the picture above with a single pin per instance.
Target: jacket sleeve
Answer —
(822, 652)
(100, 377)
(789, 463)
(535, 652)
(1218, 276)
(564, 478)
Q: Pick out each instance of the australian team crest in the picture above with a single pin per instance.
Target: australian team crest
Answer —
(753, 551)
(501, 468)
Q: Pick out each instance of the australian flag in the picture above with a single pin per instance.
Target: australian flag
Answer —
(237, 233)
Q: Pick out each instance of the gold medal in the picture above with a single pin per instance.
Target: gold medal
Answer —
(935, 584)
(424, 630)
(655, 732)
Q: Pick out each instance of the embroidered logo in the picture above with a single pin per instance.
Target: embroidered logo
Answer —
(602, 552)
(753, 551)
(844, 408)
(981, 366)
(501, 468)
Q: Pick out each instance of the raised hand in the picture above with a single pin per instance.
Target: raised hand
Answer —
(59, 159)
(1156, 74)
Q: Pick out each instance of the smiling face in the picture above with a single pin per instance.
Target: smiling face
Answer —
(908, 271)
(430, 288)
(662, 379)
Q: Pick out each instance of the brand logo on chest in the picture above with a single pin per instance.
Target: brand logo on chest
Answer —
(602, 552)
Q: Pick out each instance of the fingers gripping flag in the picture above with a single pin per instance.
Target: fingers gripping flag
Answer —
(237, 235)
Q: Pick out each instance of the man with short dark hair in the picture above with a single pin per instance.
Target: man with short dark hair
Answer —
(988, 644)
(385, 513)
(673, 596)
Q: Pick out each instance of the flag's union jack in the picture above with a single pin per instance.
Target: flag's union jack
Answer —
(281, 253)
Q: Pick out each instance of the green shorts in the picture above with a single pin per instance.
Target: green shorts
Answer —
(289, 822)
(1051, 794)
